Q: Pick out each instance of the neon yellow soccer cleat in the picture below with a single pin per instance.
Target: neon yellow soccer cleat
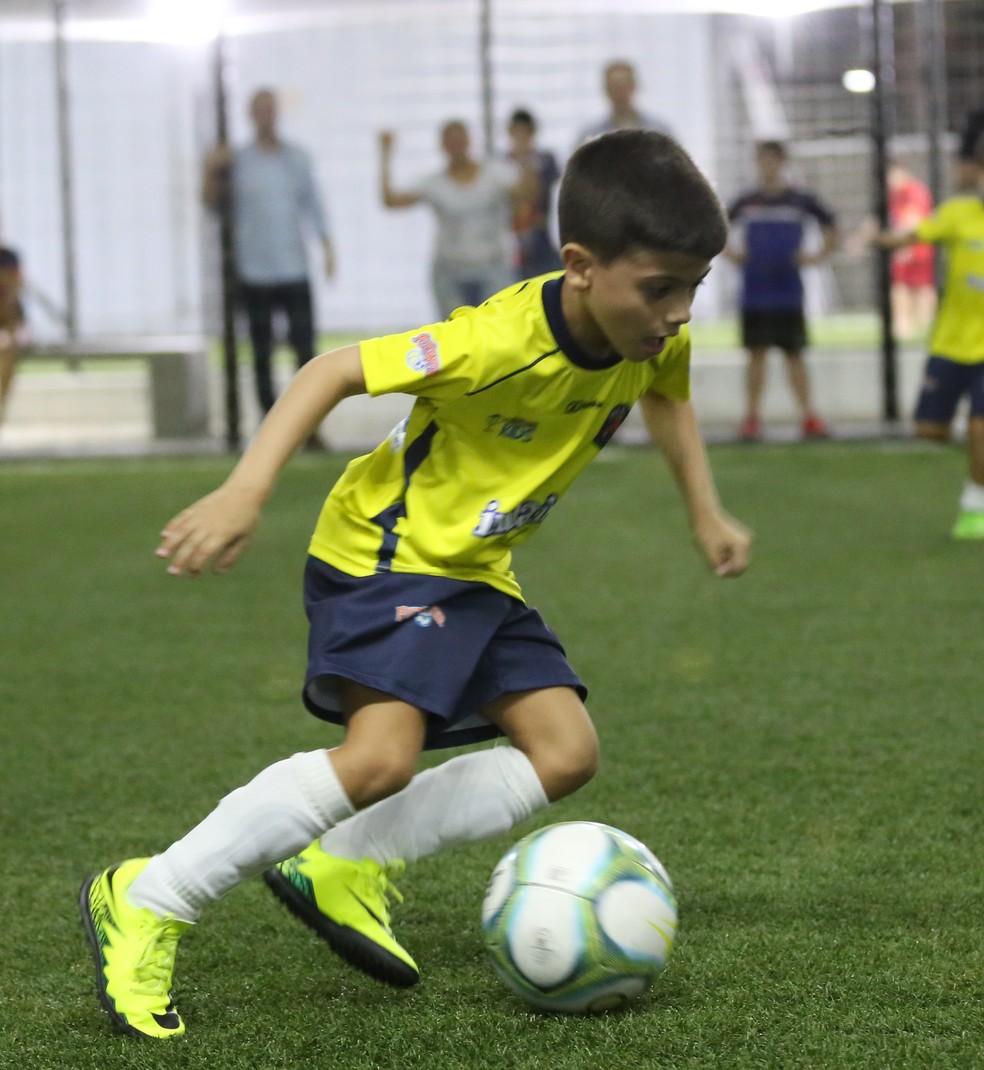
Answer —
(134, 953)
(346, 903)
(969, 525)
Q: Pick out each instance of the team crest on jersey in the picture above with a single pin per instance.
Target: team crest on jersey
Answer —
(422, 616)
(425, 357)
(613, 421)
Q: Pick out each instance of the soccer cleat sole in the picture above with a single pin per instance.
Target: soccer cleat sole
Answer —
(357, 950)
(91, 935)
(85, 908)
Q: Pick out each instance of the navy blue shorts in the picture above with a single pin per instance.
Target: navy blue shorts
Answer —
(944, 383)
(445, 646)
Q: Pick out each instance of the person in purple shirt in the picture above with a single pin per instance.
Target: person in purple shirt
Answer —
(275, 208)
(536, 251)
(768, 227)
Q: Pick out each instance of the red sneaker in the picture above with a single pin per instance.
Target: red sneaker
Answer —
(750, 430)
(814, 427)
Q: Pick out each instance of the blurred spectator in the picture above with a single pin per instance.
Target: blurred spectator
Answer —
(955, 366)
(620, 88)
(11, 320)
(769, 224)
(536, 251)
(914, 266)
(472, 201)
(275, 204)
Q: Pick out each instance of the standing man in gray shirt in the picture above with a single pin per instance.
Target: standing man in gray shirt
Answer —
(275, 206)
(619, 80)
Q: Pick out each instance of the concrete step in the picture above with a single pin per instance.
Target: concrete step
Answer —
(65, 410)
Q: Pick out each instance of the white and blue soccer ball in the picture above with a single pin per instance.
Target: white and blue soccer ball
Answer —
(579, 918)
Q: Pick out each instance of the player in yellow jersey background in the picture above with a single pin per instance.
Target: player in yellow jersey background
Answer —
(955, 366)
(419, 636)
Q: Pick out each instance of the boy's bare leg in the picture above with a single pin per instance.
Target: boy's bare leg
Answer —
(799, 381)
(975, 449)
(8, 366)
(755, 380)
(340, 885)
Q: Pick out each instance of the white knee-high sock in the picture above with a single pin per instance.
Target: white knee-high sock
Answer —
(278, 813)
(467, 798)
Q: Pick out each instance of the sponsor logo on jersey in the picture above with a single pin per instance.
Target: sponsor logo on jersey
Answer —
(613, 421)
(492, 521)
(511, 427)
(425, 357)
(422, 616)
(574, 407)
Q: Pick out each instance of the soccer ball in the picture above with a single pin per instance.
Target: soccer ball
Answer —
(579, 918)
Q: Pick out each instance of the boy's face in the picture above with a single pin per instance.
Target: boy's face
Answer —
(633, 304)
(263, 112)
(771, 165)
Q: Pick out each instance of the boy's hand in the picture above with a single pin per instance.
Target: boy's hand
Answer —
(216, 529)
(725, 543)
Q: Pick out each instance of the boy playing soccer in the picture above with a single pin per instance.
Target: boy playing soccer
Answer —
(419, 636)
(955, 366)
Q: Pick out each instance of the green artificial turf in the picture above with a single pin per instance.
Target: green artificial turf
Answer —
(801, 747)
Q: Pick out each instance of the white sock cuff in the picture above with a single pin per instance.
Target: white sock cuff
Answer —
(972, 499)
(520, 777)
(318, 783)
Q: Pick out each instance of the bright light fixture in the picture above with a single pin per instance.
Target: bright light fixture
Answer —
(858, 80)
(185, 22)
(774, 9)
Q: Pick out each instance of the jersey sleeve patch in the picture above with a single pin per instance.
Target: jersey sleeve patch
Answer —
(425, 356)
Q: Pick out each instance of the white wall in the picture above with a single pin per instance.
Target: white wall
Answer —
(411, 75)
(140, 113)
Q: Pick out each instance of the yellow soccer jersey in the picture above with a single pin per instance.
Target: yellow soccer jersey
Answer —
(958, 226)
(508, 410)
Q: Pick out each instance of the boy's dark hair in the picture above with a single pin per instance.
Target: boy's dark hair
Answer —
(635, 190)
(777, 148)
(524, 117)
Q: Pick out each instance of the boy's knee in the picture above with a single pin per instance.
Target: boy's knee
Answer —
(565, 768)
(932, 432)
(369, 777)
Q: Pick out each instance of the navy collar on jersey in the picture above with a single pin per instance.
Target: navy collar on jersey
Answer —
(561, 332)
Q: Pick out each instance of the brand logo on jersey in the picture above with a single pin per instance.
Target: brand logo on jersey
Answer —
(574, 407)
(975, 282)
(398, 436)
(425, 357)
(613, 421)
(422, 616)
(493, 522)
(511, 427)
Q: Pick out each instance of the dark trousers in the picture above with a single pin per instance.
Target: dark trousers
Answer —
(261, 302)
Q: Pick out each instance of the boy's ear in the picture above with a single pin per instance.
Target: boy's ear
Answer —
(579, 263)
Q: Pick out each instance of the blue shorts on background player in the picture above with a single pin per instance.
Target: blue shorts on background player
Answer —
(955, 366)
(419, 634)
(769, 225)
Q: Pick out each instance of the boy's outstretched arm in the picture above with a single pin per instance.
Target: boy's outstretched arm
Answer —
(217, 528)
(673, 428)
